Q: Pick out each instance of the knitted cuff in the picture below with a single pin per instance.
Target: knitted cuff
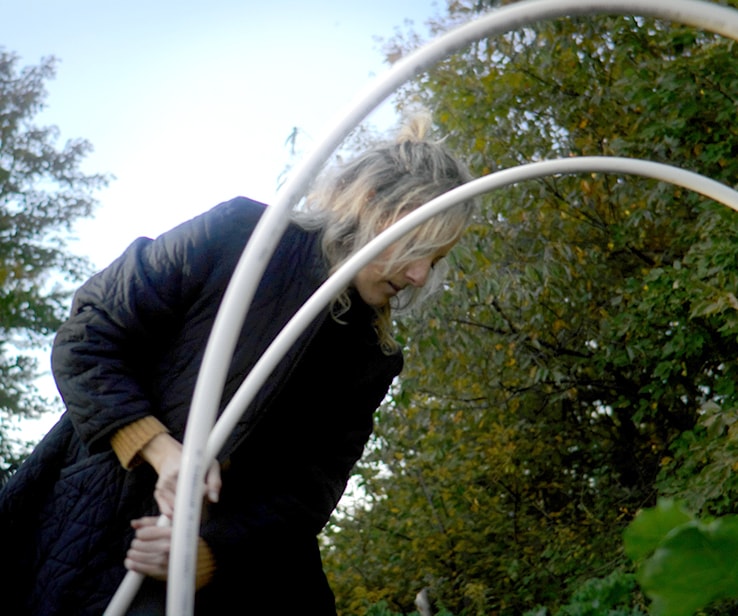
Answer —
(205, 564)
(131, 439)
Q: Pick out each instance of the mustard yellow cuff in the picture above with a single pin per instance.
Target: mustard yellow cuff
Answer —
(205, 564)
(131, 439)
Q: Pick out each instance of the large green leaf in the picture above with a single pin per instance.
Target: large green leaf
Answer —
(695, 565)
(651, 526)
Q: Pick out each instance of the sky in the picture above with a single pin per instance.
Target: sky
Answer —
(190, 103)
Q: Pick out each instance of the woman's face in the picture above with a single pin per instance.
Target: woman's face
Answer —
(376, 286)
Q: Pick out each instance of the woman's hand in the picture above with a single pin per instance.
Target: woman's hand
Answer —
(149, 551)
(164, 453)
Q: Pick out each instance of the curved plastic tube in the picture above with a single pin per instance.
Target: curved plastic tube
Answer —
(342, 278)
(501, 179)
(238, 296)
(180, 590)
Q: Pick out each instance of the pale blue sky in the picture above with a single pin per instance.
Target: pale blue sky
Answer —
(189, 103)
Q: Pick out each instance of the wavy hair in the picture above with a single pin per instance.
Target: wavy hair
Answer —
(353, 203)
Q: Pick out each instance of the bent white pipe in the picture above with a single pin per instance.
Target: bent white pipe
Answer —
(238, 296)
(236, 301)
(495, 181)
(346, 273)
(180, 591)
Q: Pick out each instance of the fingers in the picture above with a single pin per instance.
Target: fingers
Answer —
(213, 482)
(166, 484)
(146, 521)
(164, 453)
(149, 551)
(164, 493)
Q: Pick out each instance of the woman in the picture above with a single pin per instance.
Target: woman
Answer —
(83, 507)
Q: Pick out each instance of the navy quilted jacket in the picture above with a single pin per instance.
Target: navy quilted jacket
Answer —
(133, 347)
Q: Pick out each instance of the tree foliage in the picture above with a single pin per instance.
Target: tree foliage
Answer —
(584, 357)
(42, 192)
(684, 563)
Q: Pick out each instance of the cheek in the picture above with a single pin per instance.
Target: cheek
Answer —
(362, 278)
(368, 283)
(370, 273)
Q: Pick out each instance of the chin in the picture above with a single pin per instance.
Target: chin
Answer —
(376, 298)
(378, 302)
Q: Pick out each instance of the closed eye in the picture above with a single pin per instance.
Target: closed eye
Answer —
(437, 260)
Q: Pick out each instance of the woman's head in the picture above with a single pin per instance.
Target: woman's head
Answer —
(368, 194)
(393, 275)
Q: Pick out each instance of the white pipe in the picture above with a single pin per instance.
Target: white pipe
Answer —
(500, 179)
(342, 278)
(238, 296)
(219, 351)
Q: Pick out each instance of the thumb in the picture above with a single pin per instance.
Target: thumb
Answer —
(213, 482)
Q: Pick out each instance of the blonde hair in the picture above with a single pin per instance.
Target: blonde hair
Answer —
(355, 202)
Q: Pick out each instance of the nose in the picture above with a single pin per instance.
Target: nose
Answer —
(416, 272)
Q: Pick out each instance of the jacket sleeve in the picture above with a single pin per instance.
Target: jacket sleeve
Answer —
(121, 314)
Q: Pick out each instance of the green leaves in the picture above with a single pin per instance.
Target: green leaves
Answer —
(585, 357)
(684, 564)
(650, 527)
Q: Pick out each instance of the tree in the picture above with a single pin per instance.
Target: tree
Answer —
(587, 345)
(42, 193)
